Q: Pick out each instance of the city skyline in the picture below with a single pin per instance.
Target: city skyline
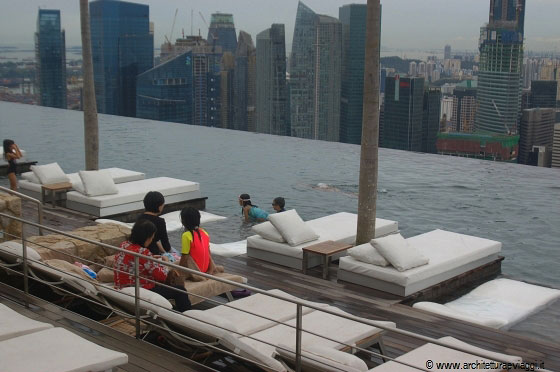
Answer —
(458, 23)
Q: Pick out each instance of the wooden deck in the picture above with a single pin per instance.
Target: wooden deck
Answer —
(361, 301)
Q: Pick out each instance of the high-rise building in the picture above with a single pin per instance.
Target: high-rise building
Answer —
(412, 69)
(501, 64)
(50, 54)
(315, 76)
(222, 32)
(227, 93)
(354, 20)
(273, 106)
(464, 106)
(244, 102)
(536, 129)
(447, 52)
(122, 48)
(555, 163)
(404, 101)
(165, 92)
(543, 93)
(206, 81)
(430, 119)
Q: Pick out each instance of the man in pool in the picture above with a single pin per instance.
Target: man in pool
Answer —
(278, 204)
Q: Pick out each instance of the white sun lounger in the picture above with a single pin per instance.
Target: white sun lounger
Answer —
(119, 175)
(131, 195)
(450, 254)
(56, 350)
(13, 324)
(499, 303)
(339, 227)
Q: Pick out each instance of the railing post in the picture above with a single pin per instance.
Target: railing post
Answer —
(137, 295)
(298, 338)
(25, 270)
(40, 212)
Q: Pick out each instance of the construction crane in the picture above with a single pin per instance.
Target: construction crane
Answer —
(508, 131)
(172, 28)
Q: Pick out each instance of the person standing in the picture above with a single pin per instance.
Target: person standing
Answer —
(11, 154)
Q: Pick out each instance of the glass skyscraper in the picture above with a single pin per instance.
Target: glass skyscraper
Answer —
(315, 76)
(430, 119)
(500, 68)
(402, 127)
(165, 92)
(50, 54)
(222, 32)
(244, 85)
(273, 115)
(122, 49)
(354, 20)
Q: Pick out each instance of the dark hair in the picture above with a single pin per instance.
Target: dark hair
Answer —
(7, 144)
(190, 218)
(142, 231)
(279, 201)
(153, 200)
(245, 199)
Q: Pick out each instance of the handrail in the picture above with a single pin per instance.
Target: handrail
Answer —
(298, 302)
(29, 198)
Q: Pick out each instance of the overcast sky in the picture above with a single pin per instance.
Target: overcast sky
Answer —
(406, 24)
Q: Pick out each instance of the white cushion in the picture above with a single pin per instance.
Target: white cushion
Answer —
(268, 232)
(367, 253)
(395, 249)
(125, 297)
(324, 358)
(49, 173)
(211, 319)
(434, 307)
(31, 177)
(97, 183)
(12, 251)
(13, 324)
(292, 228)
(247, 351)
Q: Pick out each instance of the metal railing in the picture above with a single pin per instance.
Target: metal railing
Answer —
(300, 304)
(29, 198)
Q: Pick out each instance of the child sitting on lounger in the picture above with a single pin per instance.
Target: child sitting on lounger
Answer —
(251, 212)
(154, 203)
(195, 243)
(140, 238)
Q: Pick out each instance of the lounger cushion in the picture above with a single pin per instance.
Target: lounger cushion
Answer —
(49, 173)
(12, 251)
(105, 275)
(97, 183)
(324, 359)
(446, 251)
(396, 250)
(212, 320)
(268, 232)
(247, 351)
(72, 280)
(68, 268)
(199, 291)
(440, 309)
(13, 324)
(125, 297)
(30, 176)
(367, 253)
(57, 349)
(134, 191)
(292, 228)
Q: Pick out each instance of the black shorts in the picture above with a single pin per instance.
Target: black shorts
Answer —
(11, 167)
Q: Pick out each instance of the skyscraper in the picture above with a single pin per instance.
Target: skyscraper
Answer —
(244, 101)
(122, 48)
(501, 64)
(536, 129)
(555, 163)
(273, 115)
(227, 94)
(315, 76)
(464, 106)
(165, 92)
(430, 119)
(222, 32)
(404, 101)
(543, 94)
(354, 20)
(50, 54)
(447, 52)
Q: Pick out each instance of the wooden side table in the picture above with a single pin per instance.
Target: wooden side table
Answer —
(326, 249)
(53, 189)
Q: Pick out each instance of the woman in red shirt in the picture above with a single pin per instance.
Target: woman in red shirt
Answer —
(140, 238)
